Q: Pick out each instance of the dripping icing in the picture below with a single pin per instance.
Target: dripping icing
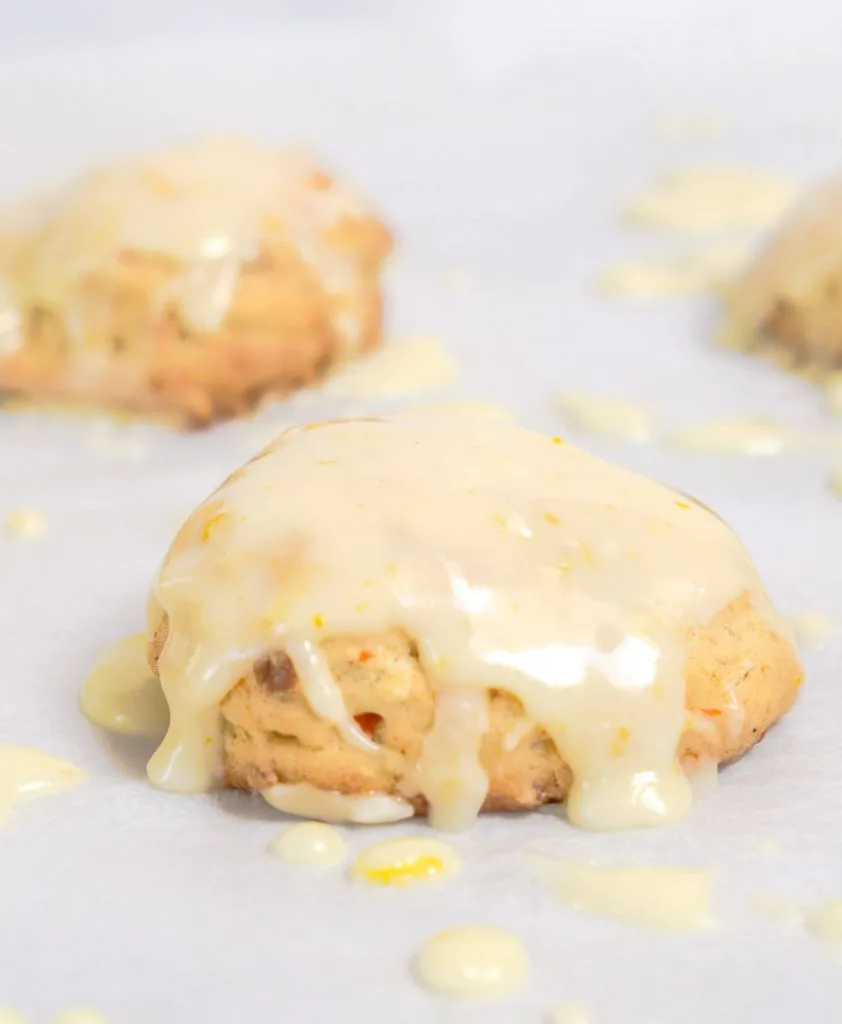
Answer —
(517, 562)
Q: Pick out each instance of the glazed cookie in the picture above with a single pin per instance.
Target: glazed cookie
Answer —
(444, 613)
(187, 283)
(787, 305)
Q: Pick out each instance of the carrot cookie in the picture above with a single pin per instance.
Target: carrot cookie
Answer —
(787, 305)
(445, 613)
(187, 283)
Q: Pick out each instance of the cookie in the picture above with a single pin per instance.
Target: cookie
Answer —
(188, 283)
(787, 304)
(460, 615)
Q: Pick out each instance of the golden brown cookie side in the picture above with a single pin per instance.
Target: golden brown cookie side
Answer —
(740, 678)
(128, 350)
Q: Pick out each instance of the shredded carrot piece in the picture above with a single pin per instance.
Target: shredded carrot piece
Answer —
(368, 722)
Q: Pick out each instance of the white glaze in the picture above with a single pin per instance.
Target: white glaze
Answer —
(613, 417)
(825, 923)
(649, 896)
(79, 1016)
(305, 800)
(309, 844)
(515, 561)
(738, 436)
(27, 774)
(205, 206)
(570, 1013)
(402, 367)
(409, 860)
(684, 273)
(25, 524)
(703, 199)
(122, 695)
(472, 962)
(812, 628)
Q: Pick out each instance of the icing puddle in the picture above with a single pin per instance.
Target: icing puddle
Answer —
(661, 898)
(399, 368)
(27, 774)
(707, 199)
(122, 695)
(570, 1013)
(79, 1016)
(825, 923)
(751, 435)
(740, 436)
(835, 483)
(686, 273)
(611, 417)
(472, 962)
(25, 524)
(309, 844)
(812, 628)
(409, 860)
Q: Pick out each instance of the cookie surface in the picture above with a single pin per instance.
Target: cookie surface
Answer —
(188, 283)
(457, 614)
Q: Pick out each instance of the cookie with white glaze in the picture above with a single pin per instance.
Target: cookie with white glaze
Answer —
(787, 303)
(534, 625)
(188, 283)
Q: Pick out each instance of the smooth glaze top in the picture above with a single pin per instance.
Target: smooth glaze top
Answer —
(516, 561)
(203, 206)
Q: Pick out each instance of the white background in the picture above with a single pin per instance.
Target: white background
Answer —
(500, 139)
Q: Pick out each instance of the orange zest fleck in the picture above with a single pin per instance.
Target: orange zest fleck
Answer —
(318, 621)
(621, 738)
(403, 874)
(320, 181)
(552, 519)
(365, 656)
(558, 440)
(209, 525)
(682, 504)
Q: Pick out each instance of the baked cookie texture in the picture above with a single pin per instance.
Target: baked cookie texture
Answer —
(787, 305)
(188, 283)
(740, 677)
